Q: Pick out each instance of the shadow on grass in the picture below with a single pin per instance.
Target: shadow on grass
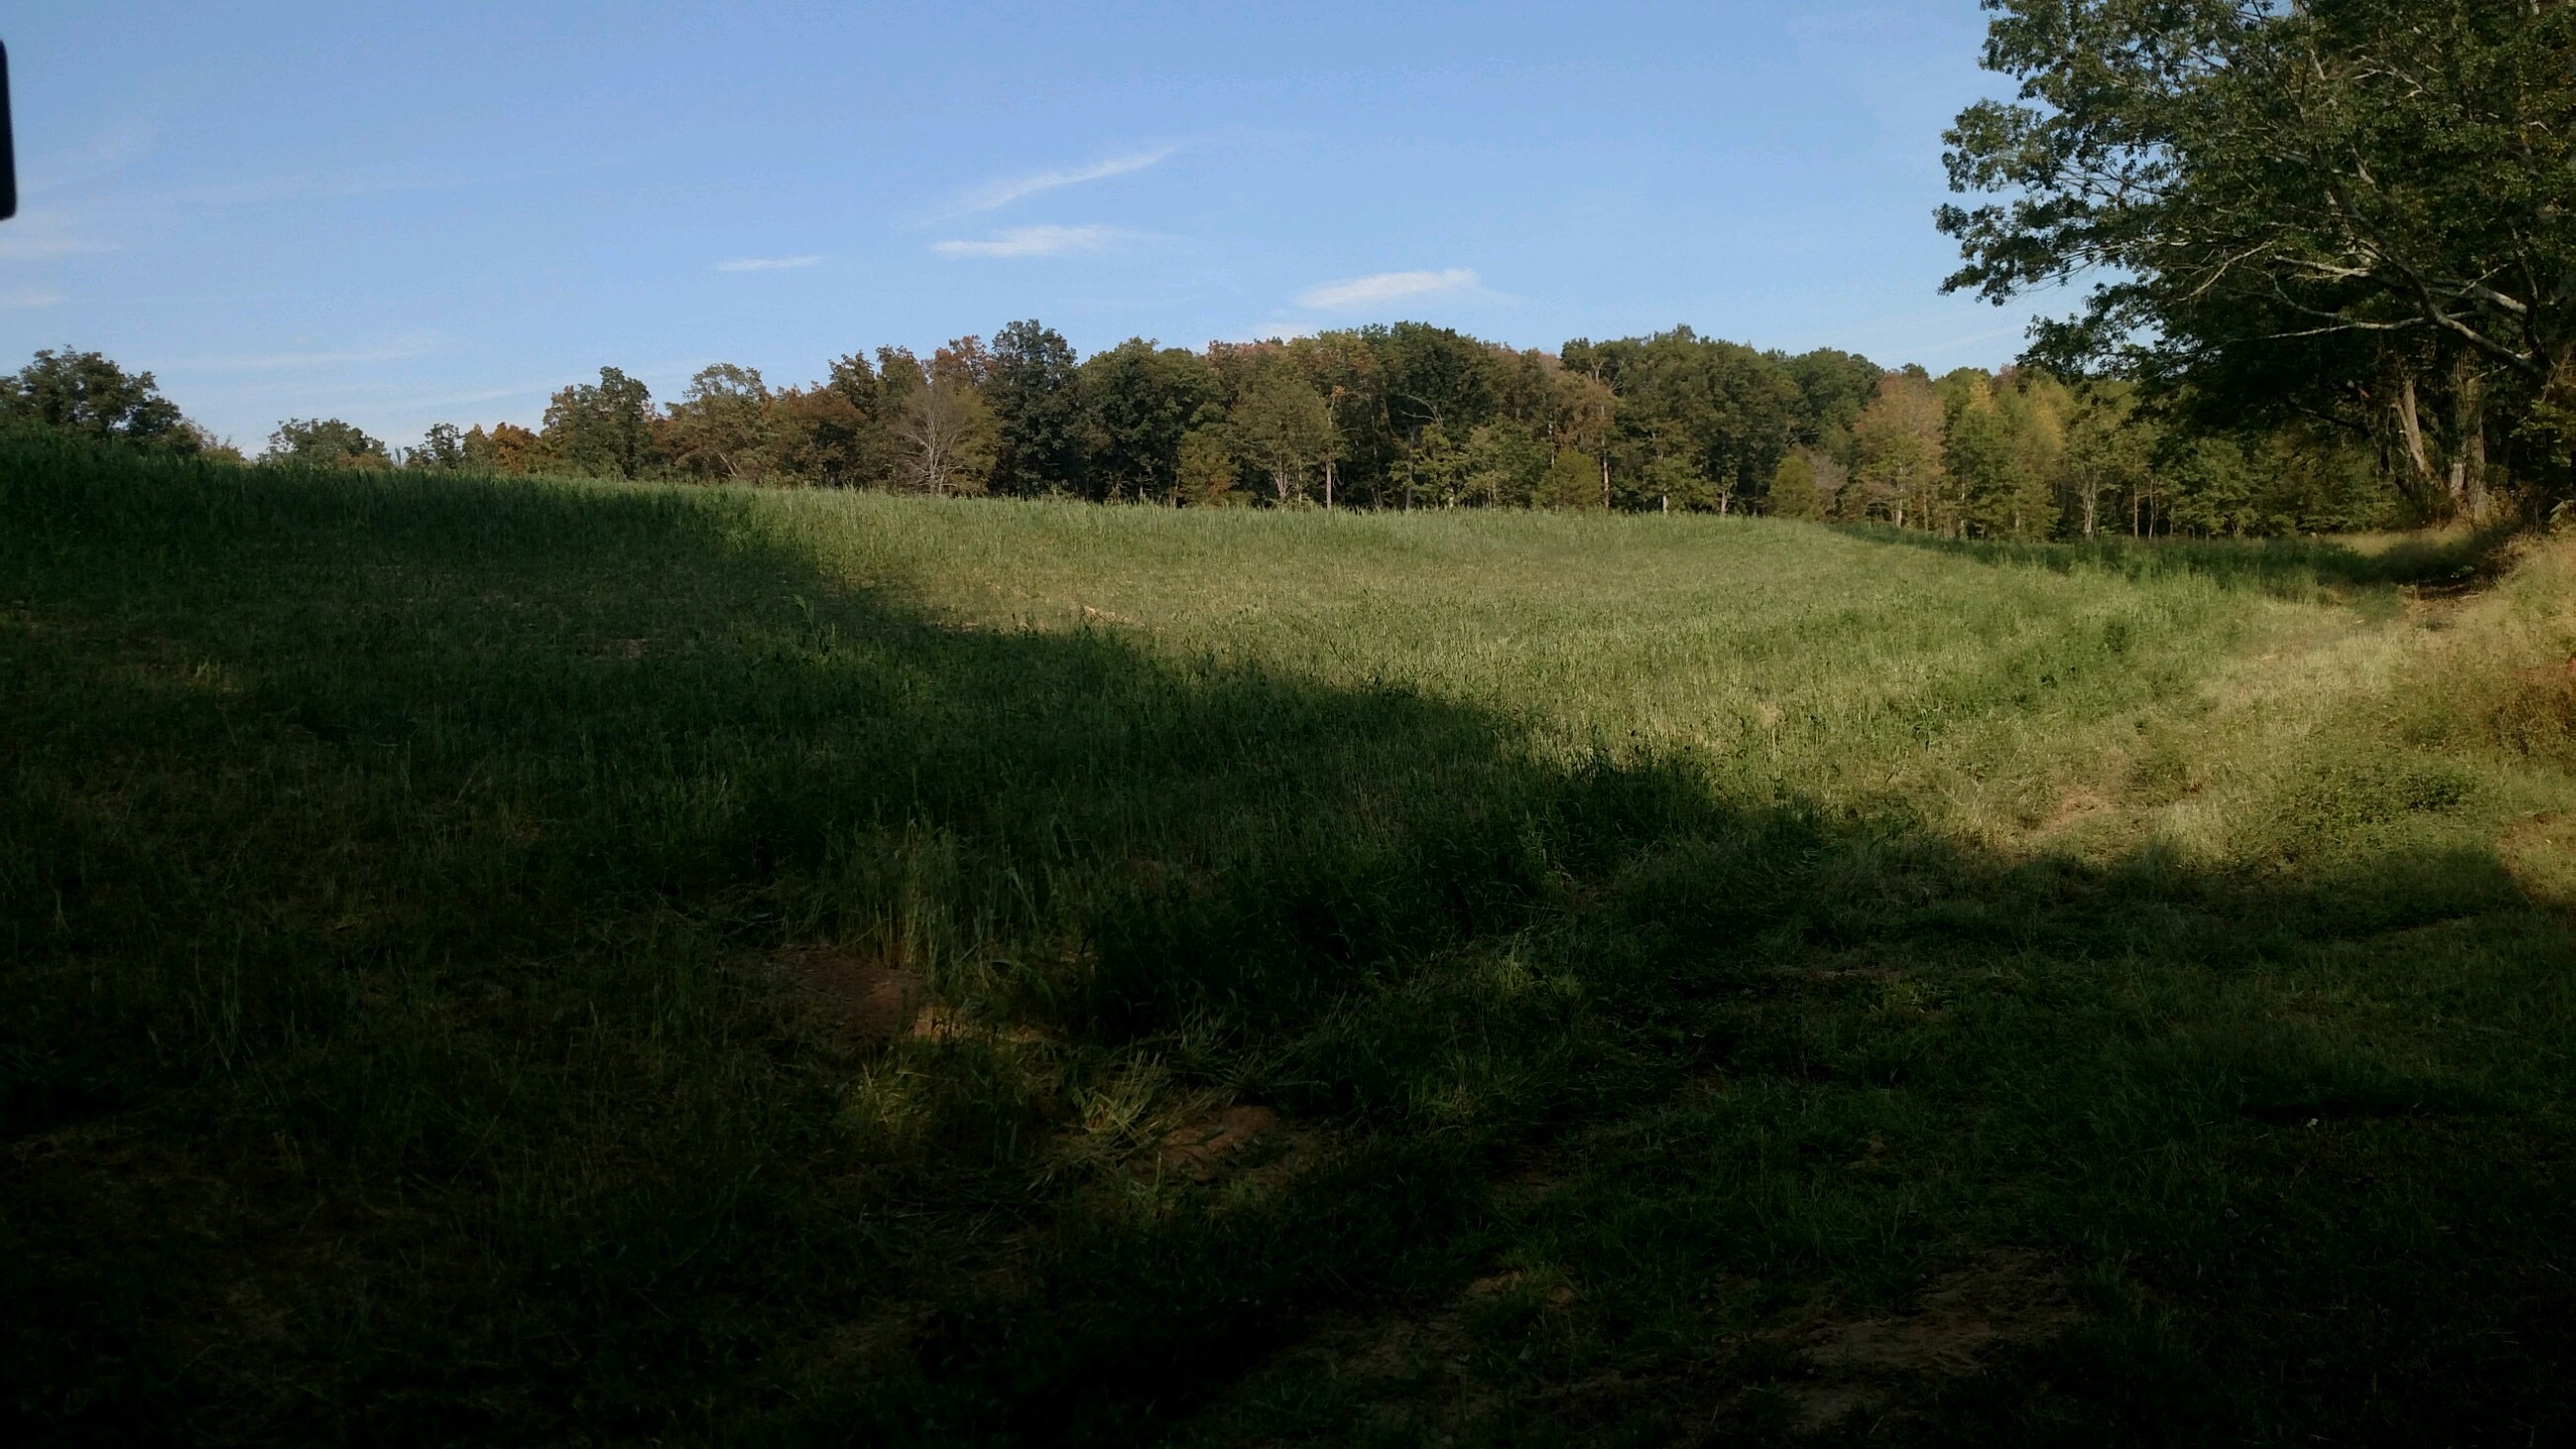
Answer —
(391, 864)
(2285, 567)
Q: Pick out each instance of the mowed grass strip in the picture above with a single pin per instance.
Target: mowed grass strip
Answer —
(518, 961)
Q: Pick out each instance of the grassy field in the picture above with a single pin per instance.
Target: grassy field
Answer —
(518, 962)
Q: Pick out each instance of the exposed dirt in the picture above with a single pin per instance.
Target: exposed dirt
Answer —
(1495, 1285)
(860, 1000)
(247, 1336)
(1203, 1149)
(1529, 1179)
(2076, 806)
(1963, 1316)
(2459, 566)
(1415, 1368)
(1836, 1374)
(1867, 1365)
(2540, 853)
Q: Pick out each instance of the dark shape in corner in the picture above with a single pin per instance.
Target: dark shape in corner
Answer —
(8, 146)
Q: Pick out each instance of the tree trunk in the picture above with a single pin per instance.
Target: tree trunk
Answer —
(1328, 485)
(2475, 498)
(2410, 423)
(2469, 443)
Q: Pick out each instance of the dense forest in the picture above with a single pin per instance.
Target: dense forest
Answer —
(1403, 416)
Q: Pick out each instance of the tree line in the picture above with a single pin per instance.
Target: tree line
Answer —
(1401, 416)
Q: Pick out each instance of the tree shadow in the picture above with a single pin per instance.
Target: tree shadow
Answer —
(397, 870)
(2304, 567)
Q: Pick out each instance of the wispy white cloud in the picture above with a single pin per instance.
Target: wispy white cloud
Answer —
(1037, 241)
(30, 297)
(494, 394)
(288, 361)
(111, 150)
(385, 395)
(997, 194)
(1141, 302)
(1383, 288)
(128, 219)
(307, 186)
(51, 232)
(1274, 330)
(767, 264)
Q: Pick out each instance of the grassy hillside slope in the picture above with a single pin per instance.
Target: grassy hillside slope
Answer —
(558, 963)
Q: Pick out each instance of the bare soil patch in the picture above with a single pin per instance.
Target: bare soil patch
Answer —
(1869, 1365)
(2077, 805)
(859, 1000)
(2540, 853)
(1202, 1150)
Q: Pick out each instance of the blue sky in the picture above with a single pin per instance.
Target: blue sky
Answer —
(401, 214)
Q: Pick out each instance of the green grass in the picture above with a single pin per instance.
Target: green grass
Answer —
(1706, 978)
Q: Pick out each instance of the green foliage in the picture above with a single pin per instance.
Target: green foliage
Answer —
(724, 426)
(1037, 407)
(1433, 467)
(602, 430)
(2320, 484)
(945, 438)
(506, 448)
(1896, 456)
(83, 394)
(2108, 458)
(1436, 376)
(1992, 484)
(1140, 402)
(833, 433)
(1351, 376)
(442, 450)
(1205, 473)
(1833, 387)
(1572, 480)
(1796, 490)
(324, 443)
(1669, 482)
(2213, 484)
(1285, 428)
(1506, 465)
(2346, 208)
(1719, 411)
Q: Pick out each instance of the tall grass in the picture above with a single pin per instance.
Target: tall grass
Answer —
(440, 915)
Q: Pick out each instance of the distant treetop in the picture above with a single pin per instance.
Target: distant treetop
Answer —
(86, 395)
